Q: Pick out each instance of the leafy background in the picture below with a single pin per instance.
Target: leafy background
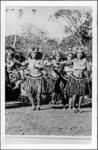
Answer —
(77, 26)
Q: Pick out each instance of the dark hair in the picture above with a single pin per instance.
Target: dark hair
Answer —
(75, 56)
(30, 56)
(12, 55)
(83, 55)
(38, 55)
(33, 49)
(70, 53)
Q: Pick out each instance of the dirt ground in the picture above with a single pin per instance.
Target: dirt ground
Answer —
(48, 121)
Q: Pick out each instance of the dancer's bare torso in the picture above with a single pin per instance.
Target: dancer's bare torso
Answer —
(34, 67)
(79, 66)
(53, 64)
(68, 69)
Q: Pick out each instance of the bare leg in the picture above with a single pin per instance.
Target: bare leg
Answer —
(38, 101)
(65, 99)
(32, 102)
(74, 102)
(59, 101)
(80, 103)
(56, 98)
(70, 102)
(53, 98)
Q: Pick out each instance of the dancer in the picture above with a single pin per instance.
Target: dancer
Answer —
(76, 85)
(35, 83)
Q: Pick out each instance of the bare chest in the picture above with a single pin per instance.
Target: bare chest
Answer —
(80, 63)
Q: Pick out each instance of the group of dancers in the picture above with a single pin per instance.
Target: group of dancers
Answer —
(70, 79)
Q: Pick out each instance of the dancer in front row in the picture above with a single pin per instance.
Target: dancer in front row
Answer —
(66, 72)
(77, 81)
(53, 80)
(35, 82)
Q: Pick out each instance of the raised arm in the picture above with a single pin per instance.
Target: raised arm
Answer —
(25, 63)
(67, 63)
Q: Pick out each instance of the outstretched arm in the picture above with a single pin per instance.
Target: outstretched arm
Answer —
(67, 63)
(25, 63)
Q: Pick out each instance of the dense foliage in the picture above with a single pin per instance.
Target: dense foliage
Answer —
(77, 29)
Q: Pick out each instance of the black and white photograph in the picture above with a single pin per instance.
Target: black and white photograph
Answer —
(48, 70)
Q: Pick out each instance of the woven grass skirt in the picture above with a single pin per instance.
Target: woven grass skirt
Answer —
(63, 83)
(76, 86)
(89, 87)
(52, 84)
(34, 85)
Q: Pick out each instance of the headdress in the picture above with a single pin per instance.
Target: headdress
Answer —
(77, 49)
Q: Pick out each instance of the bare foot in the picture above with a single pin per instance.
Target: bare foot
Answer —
(74, 110)
(34, 107)
(79, 110)
(38, 107)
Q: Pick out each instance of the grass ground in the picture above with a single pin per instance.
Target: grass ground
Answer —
(48, 121)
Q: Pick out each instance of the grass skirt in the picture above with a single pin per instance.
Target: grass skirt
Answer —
(76, 86)
(89, 87)
(63, 83)
(32, 86)
(53, 84)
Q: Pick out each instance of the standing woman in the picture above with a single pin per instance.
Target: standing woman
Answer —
(53, 81)
(66, 72)
(76, 86)
(35, 83)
